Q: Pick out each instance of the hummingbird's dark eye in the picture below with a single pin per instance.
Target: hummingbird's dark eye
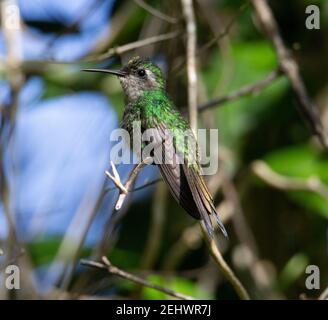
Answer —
(141, 73)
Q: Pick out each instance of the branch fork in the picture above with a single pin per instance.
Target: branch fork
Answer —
(115, 177)
(125, 188)
(113, 270)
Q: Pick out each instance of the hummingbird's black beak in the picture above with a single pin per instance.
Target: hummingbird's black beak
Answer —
(118, 73)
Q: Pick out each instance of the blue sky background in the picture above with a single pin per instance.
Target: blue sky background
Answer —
(56, 159)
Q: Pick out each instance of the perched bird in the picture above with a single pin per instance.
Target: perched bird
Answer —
(146, 101)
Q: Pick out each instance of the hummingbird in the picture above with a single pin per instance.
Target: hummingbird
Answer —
(147, 101)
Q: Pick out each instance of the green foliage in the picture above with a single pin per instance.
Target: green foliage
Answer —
(252, 62)
(293, 269)
(178, 284)
(43, 252)
(126, 259)
(302, 162)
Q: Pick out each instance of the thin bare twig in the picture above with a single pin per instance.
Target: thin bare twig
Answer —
(13, 46)
(243, 91)
(188, 12)
(225, 31)
(314, 184)
(223, 266)
(147, 184)
(191, 239)
(73, 27)
(134, 45)
(155, 12)
(143, 186)
(214, 21)
(243, 231)
(106, 265)
(289, 66)
(13, 260)
(107, 241)
(245, 235)
(115, 25)
(324, 295)
(211, 244)
(124, 189)
(116, 178)
(192, 108)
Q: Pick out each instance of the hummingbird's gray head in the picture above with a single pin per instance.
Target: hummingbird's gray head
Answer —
(141, 75)
(137, 76)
